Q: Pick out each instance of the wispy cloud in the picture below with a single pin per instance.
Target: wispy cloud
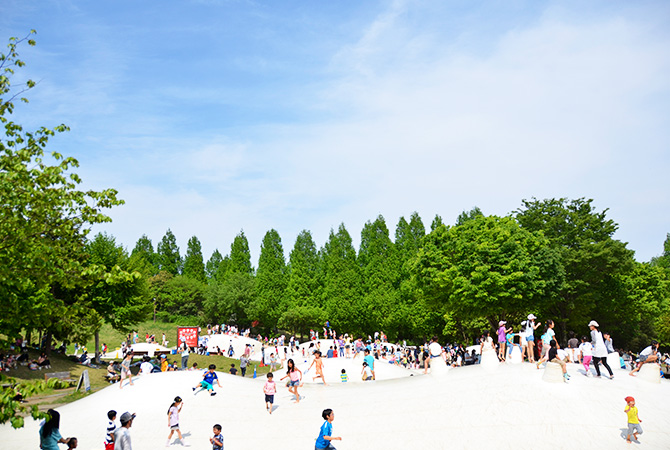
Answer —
(421, 106)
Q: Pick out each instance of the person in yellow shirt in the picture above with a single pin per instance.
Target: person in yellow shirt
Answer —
(164, 363)
(634, 427)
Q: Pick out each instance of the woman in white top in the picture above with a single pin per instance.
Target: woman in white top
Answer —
(599, 349)
(487, 343)
(530, 336)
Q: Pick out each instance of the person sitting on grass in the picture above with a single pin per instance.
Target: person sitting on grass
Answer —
(112, 375)
(43, 361)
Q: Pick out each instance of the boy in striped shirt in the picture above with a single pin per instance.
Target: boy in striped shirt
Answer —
(111, 426)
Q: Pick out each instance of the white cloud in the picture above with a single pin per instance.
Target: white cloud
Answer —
(414, 118)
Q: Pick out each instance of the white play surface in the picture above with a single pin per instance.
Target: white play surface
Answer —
(476, 407)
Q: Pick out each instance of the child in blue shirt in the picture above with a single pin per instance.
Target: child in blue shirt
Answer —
(325, 438)
(217, 439)
(208, 381)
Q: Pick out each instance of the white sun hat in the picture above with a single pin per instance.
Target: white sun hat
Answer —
(531, 317)
(593, 323)
(501, 323)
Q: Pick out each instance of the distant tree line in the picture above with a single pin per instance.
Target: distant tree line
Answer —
(556, 258)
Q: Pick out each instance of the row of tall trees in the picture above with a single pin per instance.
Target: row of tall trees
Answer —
(556, 258)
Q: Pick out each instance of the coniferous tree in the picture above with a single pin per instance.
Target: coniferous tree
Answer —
(212, 266)
(194, 266)
(342, 283)
(380, 274)
(240, 257)
(469, 215)
(169, 259)
(437, 221)
(144, 251)
(270, 281)
(303, 280)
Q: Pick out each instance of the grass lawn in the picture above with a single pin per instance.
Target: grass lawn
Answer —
(113, 339)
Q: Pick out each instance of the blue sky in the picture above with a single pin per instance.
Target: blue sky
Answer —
(214, 116)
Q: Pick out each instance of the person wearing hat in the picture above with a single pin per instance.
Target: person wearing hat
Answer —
(530, 336)
(599, 349)
(522, 339)
(502, 339)
(122, 434)
(634, 427)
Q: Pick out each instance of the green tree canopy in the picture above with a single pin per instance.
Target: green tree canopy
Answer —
(144, 250)
(488, 267)
(44, 217)
(342, 282)
(194, 266)
(303, 284)
(212, 266)
(271, 280)
(44, 221)
(592, 259)
(240, 257)
(469, 215)
(119, 293)
(169, 259)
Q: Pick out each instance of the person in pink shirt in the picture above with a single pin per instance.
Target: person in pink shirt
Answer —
(270, 389)
(295, 376)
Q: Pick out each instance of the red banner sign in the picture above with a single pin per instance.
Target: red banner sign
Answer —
(188, 335)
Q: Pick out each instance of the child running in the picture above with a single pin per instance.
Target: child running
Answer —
(173, 420)
(295, 376)
(586, 350)
(270, 389)
(319, 367)
(217, 440)
(208, 381)
(634, 427)
(324, 441)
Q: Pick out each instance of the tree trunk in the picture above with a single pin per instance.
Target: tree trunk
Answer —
(47, 343)
(97, 346)
(29, 336)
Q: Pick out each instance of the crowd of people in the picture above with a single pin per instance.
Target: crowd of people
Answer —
(512, 342)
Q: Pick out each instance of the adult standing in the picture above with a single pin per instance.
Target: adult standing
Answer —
(530, 336)
(184, 355)
(522, 341)
(437, 362)
(599, 349)
(122, 434)
(573, 346)
(49, 432)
